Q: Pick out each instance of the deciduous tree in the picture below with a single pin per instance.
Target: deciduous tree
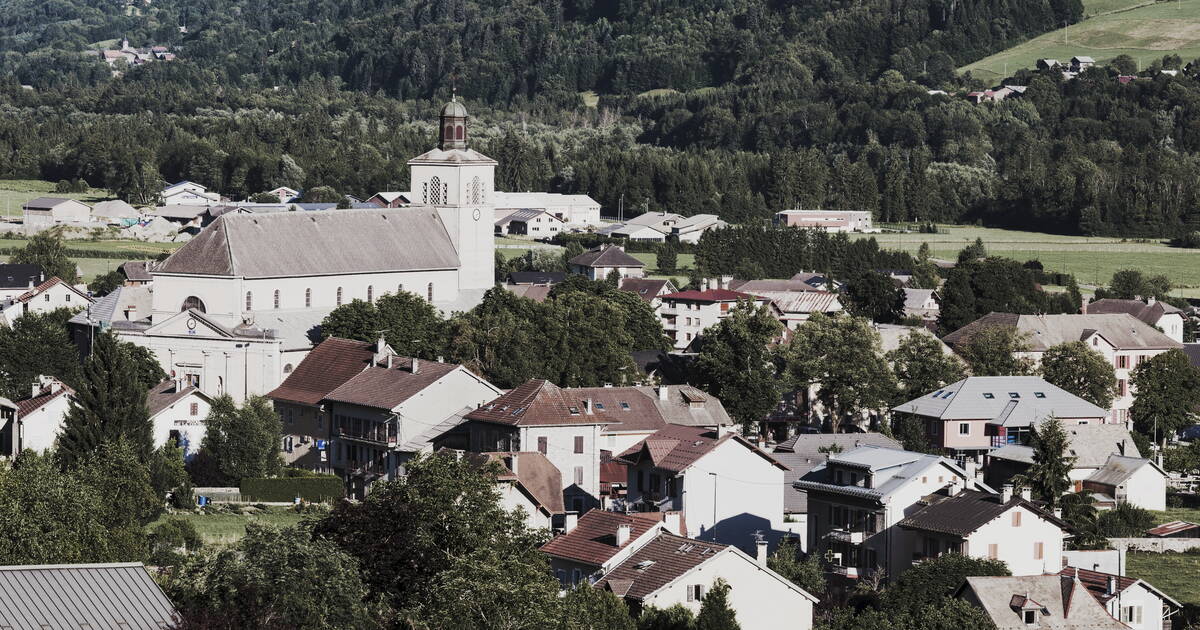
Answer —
(244, 441)
(1082, 371)
(48, 250)
(996, 351)
(737, 364)
(1168, 390)
(922, 366)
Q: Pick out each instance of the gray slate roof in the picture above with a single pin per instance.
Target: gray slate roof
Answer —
(967, 511)
(97, 596)
(45, 203)
(1070, 605)
(1146, 312)
(349, 241)
(810, 444)
(1045, 331)
(1090, 444)
(896, 467)
(606, 256)
(1011, 401)
(1117, 469)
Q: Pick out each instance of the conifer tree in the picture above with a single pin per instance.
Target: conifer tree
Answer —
(1048, 476)
(109, 405)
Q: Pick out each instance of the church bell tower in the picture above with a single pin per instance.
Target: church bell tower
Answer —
(459, 182)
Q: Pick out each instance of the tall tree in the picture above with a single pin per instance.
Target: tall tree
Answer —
(109, 405)
(874, 296)
(244, 441)
(119, 474)
(806, 572)
(922, 366)
(997, 351)
(48, 250)
(843, 358)
(676, 617)
(715, 612)
(666, 258)
(1049, 475)
(587, 608)
(736, 363)
(1168, 392)
(410, 325)
(1082, 371)
(37, 344)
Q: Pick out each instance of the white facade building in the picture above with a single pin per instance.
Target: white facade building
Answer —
(34, 422)
(686, 314)
(48, 296)
(188, 193)
(827, 220)
(178, 411)
(44, 212)
(574, 210)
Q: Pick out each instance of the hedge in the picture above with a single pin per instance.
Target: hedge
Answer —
(283, 489)
(96, 253)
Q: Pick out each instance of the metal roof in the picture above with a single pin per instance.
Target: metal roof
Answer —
(1118, 468)
(119, 595)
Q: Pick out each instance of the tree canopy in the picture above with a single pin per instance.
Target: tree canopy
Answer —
(1082, 371)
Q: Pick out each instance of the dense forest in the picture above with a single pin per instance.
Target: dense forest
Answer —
(732, 107)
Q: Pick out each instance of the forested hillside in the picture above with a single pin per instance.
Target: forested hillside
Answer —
(753, 105)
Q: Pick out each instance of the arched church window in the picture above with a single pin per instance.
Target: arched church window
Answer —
(450, 132)
(276, 298)
(429, 291)
(435, 193)
(307, 298)
(458, 132)
(339, 296)
(370, 293)
(193, 302)
(249, 301)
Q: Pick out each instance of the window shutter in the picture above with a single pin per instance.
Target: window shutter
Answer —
(1016, 519)
(578, 443)
(993, 551)
(542, 448)
(1038, 550)
(699, 592)
(691, 594)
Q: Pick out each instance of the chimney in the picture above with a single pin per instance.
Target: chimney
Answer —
(725, 280)
(1006, 493)
(1112, 584)
(512, 463)
(1151, 300)
(707, 284)
(587, 406)
(662, 392)
(380, 344)
(389, 361)
(571, 520)
(36, 389)
(671, 523)
(1026, 493)
(1058, 513)
(622, 534)
(953, 488)
(761, 547)
(416, 365)
(971, 468)
(1084, 304)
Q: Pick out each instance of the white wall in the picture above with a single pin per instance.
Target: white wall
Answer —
(179, 417)
(1015, 545)
(1140, 596)
(511, 498)
(468, 221)
(57, 296)
(40, 428)
(748, 491)
(432, 405)
(1146, 488)
(235, 366)
(560, 450)
(760, 600)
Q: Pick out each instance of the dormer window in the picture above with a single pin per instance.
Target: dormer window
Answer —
(1030, 617)
(574, 410)
(1013, 395)
(989, 395)
(1039, 394)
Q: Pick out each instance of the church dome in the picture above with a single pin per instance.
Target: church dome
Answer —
(454, 109)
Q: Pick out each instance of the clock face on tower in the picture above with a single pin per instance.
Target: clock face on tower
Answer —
(475, 214)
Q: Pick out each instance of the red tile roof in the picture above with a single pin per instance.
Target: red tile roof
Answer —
(711, 295)
(329, 365)
(675, 448)
(1097, 583)
(658, 563)
(166, 394)
(382, 387)
(594, 539)
(47, 394)
(536, 403)
(39, 289)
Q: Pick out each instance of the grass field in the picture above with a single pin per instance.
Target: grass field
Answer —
(229, 528)
(1092, 259)
(15, 192)
(89, 268)
(1143, 30)
(1173, 573)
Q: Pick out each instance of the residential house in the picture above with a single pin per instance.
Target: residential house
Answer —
(34, 422)
(1131, 601)
(971, 417)
(1030, 602)
(1005, 526)
(650, 290)
(1048, 64)
(564, 425)
(178, 412)
(827, 220)
(285, 194)
(16, 280)
(796, 307)
(1106, 460)
(726, 487)
(857, 498)
(44, 212)
(593, 544)
(1122, 339)
(597, 263)
(1133, 480)
(1079, 63)
(1165, 317)
(114, 595)
(189, 193)
(136, 273)
(48, 296)
(686, 314)
(921, 303)
(574, 210)
(529, 482)
(390, 199)
(532, 222)
(672, 570)
(804, 452)
(383, 414)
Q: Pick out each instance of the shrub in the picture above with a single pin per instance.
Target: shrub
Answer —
(282, 489)
(171, 540)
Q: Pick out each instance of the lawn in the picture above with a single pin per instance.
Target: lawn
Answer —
(1092, 259)
(1144, 31)
(89, 268)
(1191, 515)
(15, 192)
(223, 528)
(1173, 573)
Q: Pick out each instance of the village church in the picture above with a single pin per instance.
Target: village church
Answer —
(238, 307)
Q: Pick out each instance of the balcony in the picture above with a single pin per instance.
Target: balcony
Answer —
(844, 535)
(377, 435)
(369, 469)
(849, 572)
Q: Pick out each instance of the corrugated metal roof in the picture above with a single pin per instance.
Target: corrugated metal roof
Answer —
(803, 301)
(349, 241)
(97, 596)
(1172, 528)
(1117, 469)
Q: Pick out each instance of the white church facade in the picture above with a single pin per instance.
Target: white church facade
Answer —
(238, 306)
